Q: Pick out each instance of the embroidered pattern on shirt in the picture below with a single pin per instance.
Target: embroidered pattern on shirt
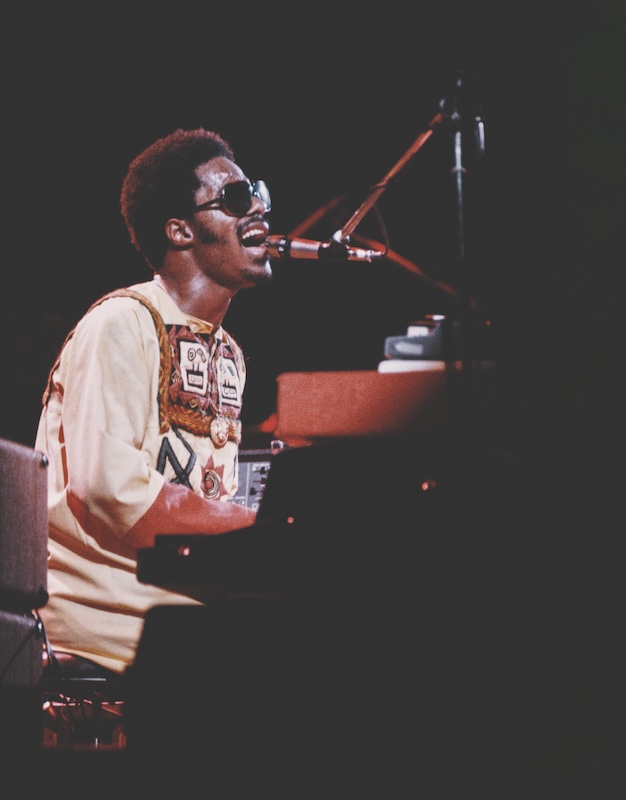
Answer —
(228, 381)
(204, 384)
(189, 377)
(213, 480)
(167, 453)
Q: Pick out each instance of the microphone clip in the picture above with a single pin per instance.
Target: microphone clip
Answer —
(334, 250)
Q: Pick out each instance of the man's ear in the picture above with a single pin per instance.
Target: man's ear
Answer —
(178, 232)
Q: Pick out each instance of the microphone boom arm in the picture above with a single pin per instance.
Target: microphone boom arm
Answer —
(342, 236)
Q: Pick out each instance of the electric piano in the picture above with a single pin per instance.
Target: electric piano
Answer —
(366, 465)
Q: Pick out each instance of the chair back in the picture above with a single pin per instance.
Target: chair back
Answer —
(23, 527)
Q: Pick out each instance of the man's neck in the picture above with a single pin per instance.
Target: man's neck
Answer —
(197, 297)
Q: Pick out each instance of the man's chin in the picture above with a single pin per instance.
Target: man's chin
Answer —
(260, 273)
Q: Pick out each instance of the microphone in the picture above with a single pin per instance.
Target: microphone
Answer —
(286, 247)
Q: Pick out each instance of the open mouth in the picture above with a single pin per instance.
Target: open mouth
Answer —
(255, 233)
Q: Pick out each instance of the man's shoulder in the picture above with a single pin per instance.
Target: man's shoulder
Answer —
(146, 293)
(120, 309)
(130, 299)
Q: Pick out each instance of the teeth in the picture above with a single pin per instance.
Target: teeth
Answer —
(253, 232)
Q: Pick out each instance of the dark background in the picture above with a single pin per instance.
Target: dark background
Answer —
(321, 101)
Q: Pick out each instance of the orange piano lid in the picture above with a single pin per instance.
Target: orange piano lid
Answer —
(319, 405)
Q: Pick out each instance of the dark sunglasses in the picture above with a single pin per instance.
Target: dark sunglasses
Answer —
(236, 198)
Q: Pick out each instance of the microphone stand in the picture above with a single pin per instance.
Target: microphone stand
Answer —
(469, 468)
(342, 236)
(459, 172)
(448, 111)
(460, 121)
(338, 245)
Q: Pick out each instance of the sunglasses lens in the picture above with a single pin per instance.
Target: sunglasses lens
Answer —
(237, 198)
(260, 189)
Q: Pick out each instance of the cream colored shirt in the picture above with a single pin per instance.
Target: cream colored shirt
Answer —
(112, 467)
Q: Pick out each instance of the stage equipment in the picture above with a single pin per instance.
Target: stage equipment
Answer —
(23, 527)
(23, 590)
(289, 246)
(437, 338)
(348, 515)
(253, 469)
(460, 115)
(342, 627)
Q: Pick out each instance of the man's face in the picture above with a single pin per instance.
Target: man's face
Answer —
(229, 249)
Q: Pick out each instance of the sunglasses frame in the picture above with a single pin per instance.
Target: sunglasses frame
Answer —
(255, 189)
